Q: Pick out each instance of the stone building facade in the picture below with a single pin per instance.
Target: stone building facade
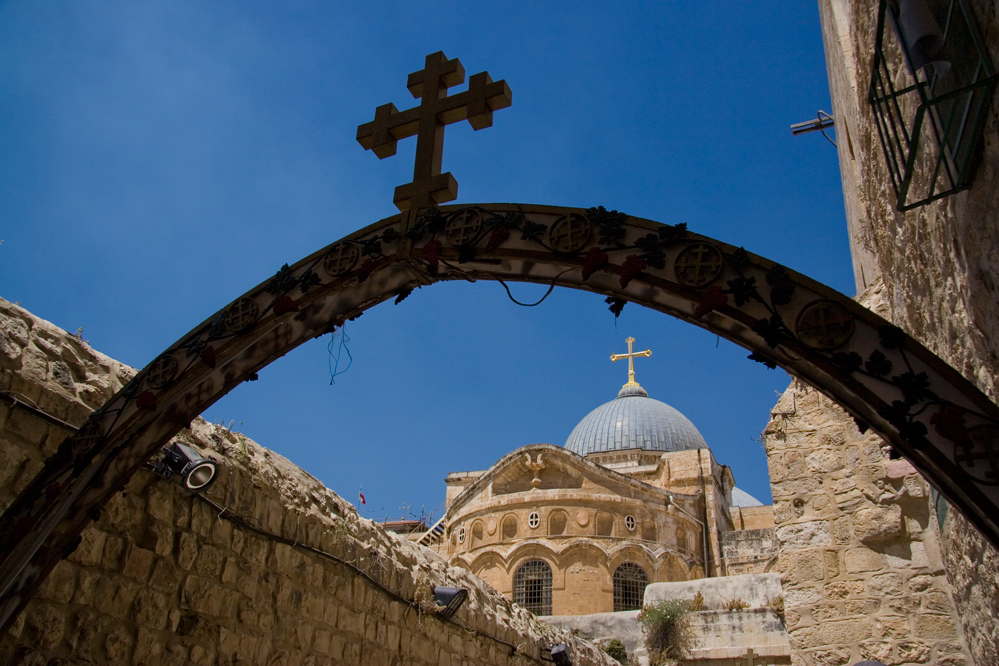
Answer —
(265, 567)
(634, 497)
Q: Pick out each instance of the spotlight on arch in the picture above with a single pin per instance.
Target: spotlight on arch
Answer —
(196, 472)
(451, 598)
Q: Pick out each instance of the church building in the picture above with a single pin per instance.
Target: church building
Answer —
(633, 497)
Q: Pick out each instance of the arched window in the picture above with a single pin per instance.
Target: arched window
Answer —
(476, 532)
(605, 524)
(681, 539)
(557, 522)
(532, 587)
(629, 587)
(509, 527)
(648, 530)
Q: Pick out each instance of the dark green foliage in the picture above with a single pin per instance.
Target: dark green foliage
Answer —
(616, 650)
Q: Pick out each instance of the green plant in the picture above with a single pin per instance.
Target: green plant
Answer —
(697, 603)
(667, 630)
(616, 650)
(736, 604)
(776, 603)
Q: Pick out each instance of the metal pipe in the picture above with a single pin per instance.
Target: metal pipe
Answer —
(704, 530)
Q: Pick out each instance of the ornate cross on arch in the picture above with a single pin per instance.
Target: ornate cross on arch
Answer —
(428, 120)
(631, 356)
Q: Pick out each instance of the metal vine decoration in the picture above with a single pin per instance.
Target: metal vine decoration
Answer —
(886, 380)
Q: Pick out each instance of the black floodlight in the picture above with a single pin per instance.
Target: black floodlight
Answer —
(196, 471)
(451, 598)
(561, 656)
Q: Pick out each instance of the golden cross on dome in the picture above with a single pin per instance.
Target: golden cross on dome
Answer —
(631, 355)
(427, 122)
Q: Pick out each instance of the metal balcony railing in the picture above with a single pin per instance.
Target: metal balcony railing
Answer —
(931, 86)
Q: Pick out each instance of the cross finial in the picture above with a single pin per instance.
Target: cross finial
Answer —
(631, 355)
(427, 122)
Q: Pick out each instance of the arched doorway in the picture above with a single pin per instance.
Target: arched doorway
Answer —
(889, 382)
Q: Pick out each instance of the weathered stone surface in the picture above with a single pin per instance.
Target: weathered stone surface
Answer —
(805, 535)
(845, 588)
(933, 271)
(878, 524)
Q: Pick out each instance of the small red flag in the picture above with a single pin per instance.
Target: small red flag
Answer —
(361, 495)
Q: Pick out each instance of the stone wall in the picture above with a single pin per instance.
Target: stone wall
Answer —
(748, 551)
(718, 636)
(600, 627)
(753, 517)
(973, 570)
(723, 635)
(267, 567)
(939, 265)
(859, 548)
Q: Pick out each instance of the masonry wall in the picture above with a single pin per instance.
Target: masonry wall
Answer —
(859, 550)
(269, 567)
(939, 266)
(748, 551)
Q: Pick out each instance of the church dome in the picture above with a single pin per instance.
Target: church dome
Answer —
(633, 420)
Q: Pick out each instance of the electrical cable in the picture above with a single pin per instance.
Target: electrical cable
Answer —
(247, 524)
(38, 412)
(551, 288)
(344, 339)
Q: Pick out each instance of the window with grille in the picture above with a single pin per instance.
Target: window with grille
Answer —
(532, 587)
(629, 587)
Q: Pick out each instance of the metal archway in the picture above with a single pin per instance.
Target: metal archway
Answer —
(937, 419)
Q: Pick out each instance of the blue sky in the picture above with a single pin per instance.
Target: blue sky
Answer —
(159, 159)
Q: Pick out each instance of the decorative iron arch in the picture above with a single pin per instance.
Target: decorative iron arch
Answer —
(924, 408)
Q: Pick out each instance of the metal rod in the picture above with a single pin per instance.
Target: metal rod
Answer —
(35, 411)
(817, 124)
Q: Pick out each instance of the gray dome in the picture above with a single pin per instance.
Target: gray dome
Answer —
(742, 498)
(634, 421)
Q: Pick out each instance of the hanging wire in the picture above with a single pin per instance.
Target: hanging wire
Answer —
(551, 288)
(335, 361)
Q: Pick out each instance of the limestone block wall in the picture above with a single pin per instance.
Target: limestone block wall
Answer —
(859, 550)
(753, 517)
(748, 551)
(719, 637)
(724, 637)
(268, 567)
(939, 265)
(42, 365)
(973, 569)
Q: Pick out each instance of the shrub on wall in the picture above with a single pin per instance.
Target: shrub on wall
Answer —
(667, 631)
